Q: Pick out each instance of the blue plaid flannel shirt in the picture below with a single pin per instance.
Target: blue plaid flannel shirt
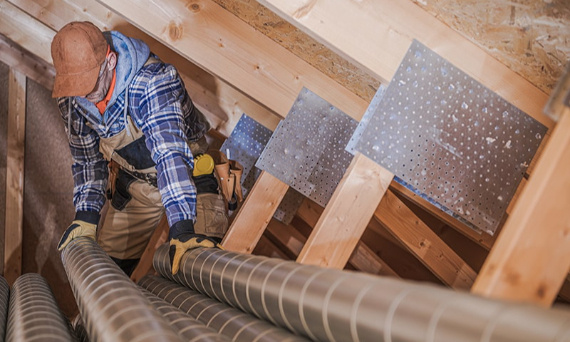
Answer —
(160, 106)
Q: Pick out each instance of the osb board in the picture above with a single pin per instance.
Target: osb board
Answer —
(531, 37)
(303, 46)
(4, 71)
(48, 193)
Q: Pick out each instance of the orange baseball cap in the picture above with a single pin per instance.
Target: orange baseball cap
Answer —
(78, 50)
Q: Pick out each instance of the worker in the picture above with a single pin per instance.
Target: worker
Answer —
(128, 115)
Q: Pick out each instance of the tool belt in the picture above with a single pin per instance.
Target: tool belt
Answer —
(150, 178)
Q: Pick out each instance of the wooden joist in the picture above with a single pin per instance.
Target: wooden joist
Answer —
(288, 238)
(347, 214)
(424, 243)
(230, 49)
(159, 237)
(222, 103)
(377, 34)
(255, 214)
(531, 257)
(15, 176)
(24, 62)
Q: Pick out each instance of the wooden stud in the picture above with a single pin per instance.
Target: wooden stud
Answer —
(158, 238)
(424, 243)
(15, 176)
(483, 239)
(229, 48)
(377, 34)
(255, 214)
(21, 60)
(222, 103)
(347, 214)
(531, 257)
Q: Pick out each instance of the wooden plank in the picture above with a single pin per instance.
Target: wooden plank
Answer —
(36, 38)
(377, 34)
(15, 141)
(222, 103)
(365, 260)
(158, 238)
(424, 243)
(26, 63)
(481, 238)
(286, 236)
(267, 248)
(227, 47)
(347, 214)
(255, 214)
(531, 257)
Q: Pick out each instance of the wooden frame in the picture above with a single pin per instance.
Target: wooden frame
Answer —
(15, 176)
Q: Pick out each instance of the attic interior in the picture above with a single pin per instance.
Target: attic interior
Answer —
(241, 57)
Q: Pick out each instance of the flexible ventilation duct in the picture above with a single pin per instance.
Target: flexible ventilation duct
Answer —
(188, 328)
(34, 314)
(231, 322)
(111, 305)
(4, 302)
(334, 305)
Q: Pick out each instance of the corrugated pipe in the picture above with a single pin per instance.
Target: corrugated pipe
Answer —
(4, 302)
(34, 314)
(334, 305)
(233, 323)
(111, 305)
(188, 328)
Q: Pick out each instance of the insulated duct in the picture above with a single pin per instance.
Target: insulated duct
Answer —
(111, 305)
(4, 302)
(233, 323)
(187, 327)
(34, 314)
(334, 305)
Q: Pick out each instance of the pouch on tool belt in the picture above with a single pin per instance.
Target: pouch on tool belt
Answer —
(229, 173)
(211, 212)
(121, 196)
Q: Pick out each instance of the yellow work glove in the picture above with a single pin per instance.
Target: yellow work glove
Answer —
(187, 241)
(76, 229)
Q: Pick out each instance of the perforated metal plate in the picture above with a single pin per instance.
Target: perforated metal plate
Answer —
(451, 138)
(306, 151)
(245, 144)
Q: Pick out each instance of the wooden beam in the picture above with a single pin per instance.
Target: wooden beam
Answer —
(347, 214)
(26, 63)
(267, 248)
(255, 214)
(36, 37)
(158, 238)
(15, 176)
(531, 258)
(377, 34)
(227, 47)
(363, 258)
(424, 243)
(221, 103)
(483, 239)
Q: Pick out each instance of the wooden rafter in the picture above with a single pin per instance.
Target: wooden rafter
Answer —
(26, 63)
(222, 103)
(531, 258)
(15, 176)
(347, 214)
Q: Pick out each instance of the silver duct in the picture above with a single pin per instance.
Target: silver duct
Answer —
(4, 302)
(34, 314)
(231, 322)
(188, 328)
(334, 305)
(111, 305)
